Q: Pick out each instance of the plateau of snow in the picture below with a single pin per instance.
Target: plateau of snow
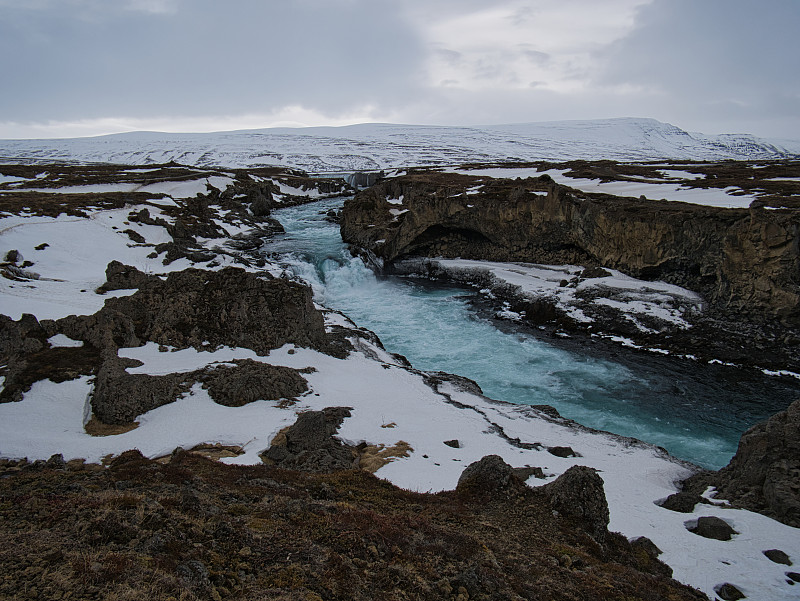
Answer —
(370, 147)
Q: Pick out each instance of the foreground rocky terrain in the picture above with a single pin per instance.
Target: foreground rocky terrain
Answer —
(191, 528)
(140, 314)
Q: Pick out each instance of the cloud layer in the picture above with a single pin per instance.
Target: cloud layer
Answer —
(93, 66)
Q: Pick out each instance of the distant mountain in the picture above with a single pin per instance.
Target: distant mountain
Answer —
(386, 146)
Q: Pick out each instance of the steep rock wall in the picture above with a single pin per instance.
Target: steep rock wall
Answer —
(743, 261)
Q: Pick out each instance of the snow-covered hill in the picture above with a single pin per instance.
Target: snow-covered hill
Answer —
(385, 146)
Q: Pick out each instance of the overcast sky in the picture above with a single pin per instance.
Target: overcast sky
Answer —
(85, 67)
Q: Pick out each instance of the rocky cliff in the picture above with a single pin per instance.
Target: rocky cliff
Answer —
(763, 474)
(745, 262)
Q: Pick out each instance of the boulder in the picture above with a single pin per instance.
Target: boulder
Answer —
(778, 556)
(251, 381)
(578, 494)
(489, 475)
(713, 527)
(125, 277)
(563, 452)
(728, 592)
(682, 502)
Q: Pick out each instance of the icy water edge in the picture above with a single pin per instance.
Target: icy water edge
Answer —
(696, 411)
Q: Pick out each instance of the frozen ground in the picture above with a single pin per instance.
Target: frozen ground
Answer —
(730, 197)
(633, 299)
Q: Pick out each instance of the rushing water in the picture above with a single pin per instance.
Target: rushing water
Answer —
(697, 412)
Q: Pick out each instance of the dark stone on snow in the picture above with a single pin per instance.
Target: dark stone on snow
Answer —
(562, 452)
(778, 556)
(125, 277)
(682, 502)
(453, 443)
(578, 494)
(713, 527)
(135, 236)
(793, 576)
(728, 592)
(594, 272)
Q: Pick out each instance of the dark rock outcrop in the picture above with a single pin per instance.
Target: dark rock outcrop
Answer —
(118, 397)
(489, 475)
(125, 277)
(778, 556)
(745, 262)
(728, 592)
(647, 551)
(683, 501)
(578, 494)
(764, 474)
(205, 309)
(309, 444)
(251, 381)
(26, 356)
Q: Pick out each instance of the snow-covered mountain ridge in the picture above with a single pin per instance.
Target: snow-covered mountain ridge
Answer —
(387, 146)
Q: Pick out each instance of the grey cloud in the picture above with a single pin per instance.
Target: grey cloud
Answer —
(535, 56)
(450, 56)
(80, 59)
(729, 61)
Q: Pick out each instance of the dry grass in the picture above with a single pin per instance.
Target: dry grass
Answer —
(374, 457)
(94, 427)
(193, 528)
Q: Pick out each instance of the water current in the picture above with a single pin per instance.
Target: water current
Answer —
(696, 411)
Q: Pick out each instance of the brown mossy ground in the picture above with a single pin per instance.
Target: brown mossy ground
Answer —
(193, 528)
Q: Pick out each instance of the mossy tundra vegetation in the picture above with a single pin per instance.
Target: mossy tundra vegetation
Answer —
(140, 314)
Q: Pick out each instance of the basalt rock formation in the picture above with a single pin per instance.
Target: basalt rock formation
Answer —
(764, 474)
(745, 262)
(309, 444)
(191, 308)
(201, 309)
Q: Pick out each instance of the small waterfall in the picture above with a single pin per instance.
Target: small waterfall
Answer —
(695, 411)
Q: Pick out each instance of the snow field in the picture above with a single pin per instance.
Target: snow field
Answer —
(713, 197)
(631, 297)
